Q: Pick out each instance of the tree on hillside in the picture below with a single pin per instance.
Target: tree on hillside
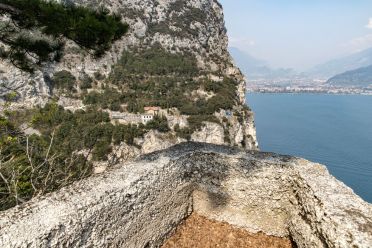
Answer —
(33, 32)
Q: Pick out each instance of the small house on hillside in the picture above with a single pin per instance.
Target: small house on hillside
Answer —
(147, 118)
(152, 110)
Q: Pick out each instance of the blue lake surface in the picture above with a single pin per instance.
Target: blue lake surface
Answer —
(334, 130)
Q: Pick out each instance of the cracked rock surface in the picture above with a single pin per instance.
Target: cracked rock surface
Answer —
(140, 203)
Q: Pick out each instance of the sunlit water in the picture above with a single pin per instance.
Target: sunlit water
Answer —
(335, 130)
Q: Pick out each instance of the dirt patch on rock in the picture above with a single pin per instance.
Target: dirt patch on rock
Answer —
(200, 232)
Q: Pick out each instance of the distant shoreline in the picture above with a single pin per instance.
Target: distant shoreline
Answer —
(315, 92)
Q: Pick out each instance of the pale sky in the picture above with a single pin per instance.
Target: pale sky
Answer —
(299, 33)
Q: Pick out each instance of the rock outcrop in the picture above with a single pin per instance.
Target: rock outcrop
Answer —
(210, 133)
(140, 203)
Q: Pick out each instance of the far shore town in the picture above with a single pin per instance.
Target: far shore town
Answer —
(315, 89)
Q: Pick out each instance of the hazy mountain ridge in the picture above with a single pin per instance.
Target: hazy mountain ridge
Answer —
(361, 77)
(256, 69)
(341, 65)
(353, 71)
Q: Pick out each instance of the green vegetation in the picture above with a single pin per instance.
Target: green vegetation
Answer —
(31, 38)
(151, 77)
(127, 133)
(108, 99)
(224, 98)
(155, 62)
(155, 77)
(83, 130)
(86, 82)
(38, 164)
(33, 165)
(64, 80)
(159, 123)
(12, 96)
(60, 154)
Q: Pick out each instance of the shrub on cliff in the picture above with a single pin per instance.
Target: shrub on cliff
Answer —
(156, 77)
(108, 99)
(139, 63)
(32, 165)
(86, 82)
(64, 80)
(127, 133)
(34, 33)
(159, 123)
(37, 164)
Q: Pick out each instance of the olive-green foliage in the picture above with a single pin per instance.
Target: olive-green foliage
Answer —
(225, 93)
(11, 96)
(155, 62)
(108, 99)
(89, 129)
(224, 98)
(159, 123)
(86, 82)
(155, 77)
(127, 133)
(196, 121)
(90, 29)
(7, 130)
(64, 80)
(33, 165)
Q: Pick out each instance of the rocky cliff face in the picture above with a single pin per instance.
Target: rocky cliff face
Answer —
(195, 27)
(140, 203)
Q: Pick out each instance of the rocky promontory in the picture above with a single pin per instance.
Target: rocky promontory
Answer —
(82, 159)
(139, 204)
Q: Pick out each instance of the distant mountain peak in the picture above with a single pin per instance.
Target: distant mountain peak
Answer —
(361, 77)
(255, 68)
(341, 65)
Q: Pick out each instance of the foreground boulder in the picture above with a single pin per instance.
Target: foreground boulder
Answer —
(139, 204)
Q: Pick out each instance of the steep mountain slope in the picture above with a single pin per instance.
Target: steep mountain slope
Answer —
(337, 66)
(361, 77)
(169, 80)
(175, 57)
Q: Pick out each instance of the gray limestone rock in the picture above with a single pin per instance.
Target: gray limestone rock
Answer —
(140, 203)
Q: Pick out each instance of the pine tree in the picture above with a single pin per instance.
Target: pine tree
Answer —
(33, 32)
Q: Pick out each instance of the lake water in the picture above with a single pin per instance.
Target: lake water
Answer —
(334, 130)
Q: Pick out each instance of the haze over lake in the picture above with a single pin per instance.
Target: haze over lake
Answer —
(335, 130)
